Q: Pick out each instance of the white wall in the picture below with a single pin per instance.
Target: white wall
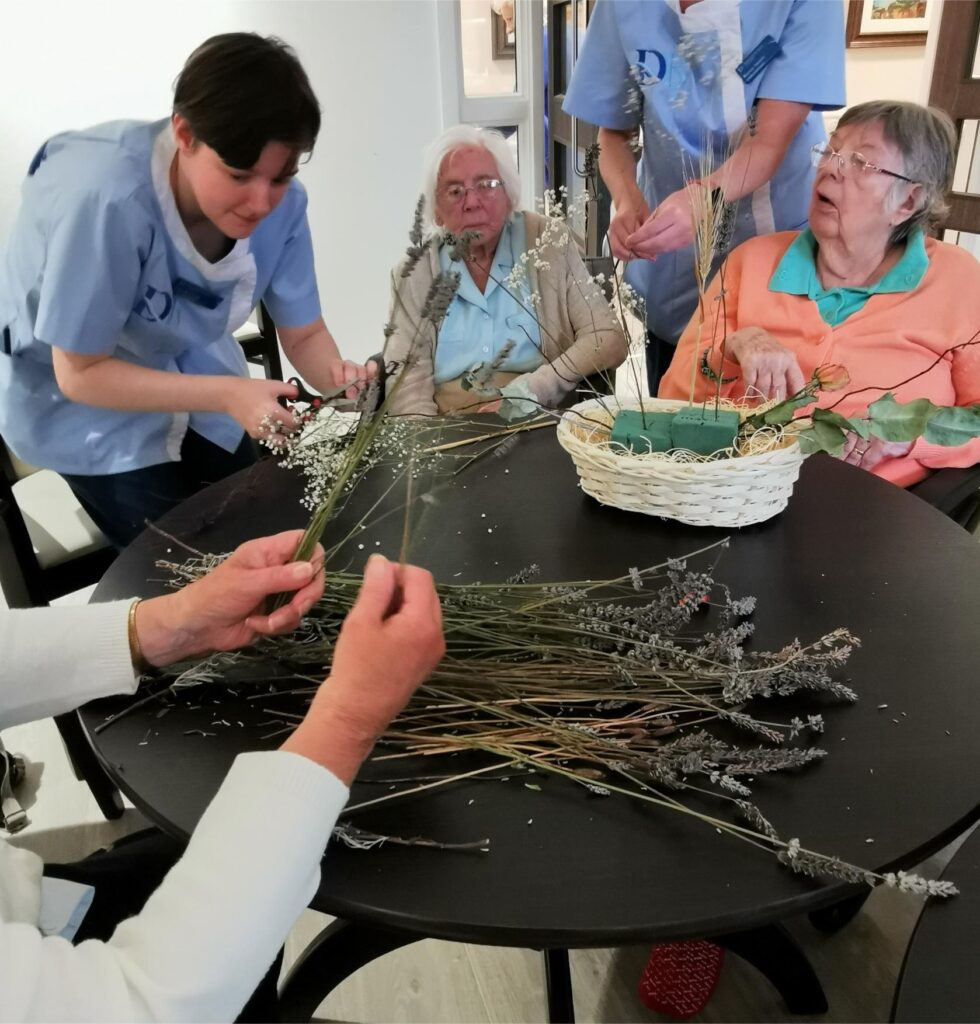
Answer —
(885, 73)
(373, 65)
(483, 76)
(892, 72)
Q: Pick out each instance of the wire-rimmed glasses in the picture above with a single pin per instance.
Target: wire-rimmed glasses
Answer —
(485, 188)
(850, 163)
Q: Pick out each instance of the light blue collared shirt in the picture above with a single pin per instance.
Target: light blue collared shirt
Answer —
(796, 274)
(99, 262)
(478, 324)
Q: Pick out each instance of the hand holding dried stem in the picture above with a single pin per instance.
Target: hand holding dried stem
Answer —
(252, 404)
(354, 375)
(389, 643)
(223, 610)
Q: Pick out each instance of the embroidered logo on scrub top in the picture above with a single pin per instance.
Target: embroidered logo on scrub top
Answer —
(154, 306)
(652, 66)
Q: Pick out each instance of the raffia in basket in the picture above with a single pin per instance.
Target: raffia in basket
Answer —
(701, 492)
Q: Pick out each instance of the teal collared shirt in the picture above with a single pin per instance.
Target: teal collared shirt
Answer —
(796, 274)
(478, 324)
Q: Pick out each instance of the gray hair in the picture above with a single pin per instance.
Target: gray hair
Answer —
(459, 137)
(926, 138)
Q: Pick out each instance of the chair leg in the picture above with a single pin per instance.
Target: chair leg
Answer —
(334, 955)
(87, 766)
(558, 980)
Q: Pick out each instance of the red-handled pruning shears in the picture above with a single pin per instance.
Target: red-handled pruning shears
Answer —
(336, 398)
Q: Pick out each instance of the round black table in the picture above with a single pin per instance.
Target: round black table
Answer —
(566, 868)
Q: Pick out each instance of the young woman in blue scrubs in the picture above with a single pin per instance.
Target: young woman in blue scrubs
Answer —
(689, 73)
(138, 249)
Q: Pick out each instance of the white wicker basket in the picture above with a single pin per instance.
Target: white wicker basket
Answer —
(722, 492)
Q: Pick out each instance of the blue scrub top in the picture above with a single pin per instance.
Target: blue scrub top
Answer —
(98, 262)
(478, 324)
(643, 63)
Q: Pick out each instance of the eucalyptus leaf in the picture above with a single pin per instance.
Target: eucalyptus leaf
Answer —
(829, 416)
(822, 436)
(899, 421)
(781, 414)
(862, 427)
(953, 425)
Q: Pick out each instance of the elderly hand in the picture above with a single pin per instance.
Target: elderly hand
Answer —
(768, 369)
(223, 610)
(254, 405)
(356, 376)
(628, 218)
(389, 643)
(668, 228)
(867, 454)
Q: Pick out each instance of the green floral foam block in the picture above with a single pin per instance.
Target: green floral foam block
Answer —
(703, 430)
(642, 431)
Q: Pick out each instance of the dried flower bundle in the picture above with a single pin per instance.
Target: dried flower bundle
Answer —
(639, 686)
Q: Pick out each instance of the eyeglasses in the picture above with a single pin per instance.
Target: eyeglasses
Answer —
(484, 188)
(850, 163)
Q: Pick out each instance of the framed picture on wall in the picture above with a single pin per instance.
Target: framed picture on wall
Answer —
(504, 43)
(887, 22)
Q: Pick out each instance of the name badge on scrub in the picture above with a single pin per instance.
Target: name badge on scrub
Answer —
(758, 59)
(195, 294)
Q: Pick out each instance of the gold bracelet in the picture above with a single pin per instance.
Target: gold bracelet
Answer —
(140, 664)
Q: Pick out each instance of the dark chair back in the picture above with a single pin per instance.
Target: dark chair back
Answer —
(24, 580)
(261, 346)
(955, 492)
(27, 583)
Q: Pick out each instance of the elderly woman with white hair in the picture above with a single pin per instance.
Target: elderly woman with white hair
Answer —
(863, 286)
(536, 333)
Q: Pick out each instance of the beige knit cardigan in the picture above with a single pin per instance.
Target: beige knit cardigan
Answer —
(579, 334)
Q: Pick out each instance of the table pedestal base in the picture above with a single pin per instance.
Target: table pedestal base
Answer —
(343, 947)
(773, 951)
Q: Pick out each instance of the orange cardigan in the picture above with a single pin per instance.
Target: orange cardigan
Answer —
(894, 336)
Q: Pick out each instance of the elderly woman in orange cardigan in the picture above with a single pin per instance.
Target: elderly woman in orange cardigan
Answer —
(863, 286)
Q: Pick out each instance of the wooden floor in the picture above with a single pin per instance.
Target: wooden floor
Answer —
(444, 981)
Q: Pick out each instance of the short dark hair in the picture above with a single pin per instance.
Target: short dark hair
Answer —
(240, 91)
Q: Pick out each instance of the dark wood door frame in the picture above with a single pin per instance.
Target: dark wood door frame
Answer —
(956, 91)
(567, 135)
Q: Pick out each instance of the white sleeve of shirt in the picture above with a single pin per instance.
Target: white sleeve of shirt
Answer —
(56, 659)
(210, 932)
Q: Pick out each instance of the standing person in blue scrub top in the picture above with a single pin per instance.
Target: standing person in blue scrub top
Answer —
(138, 249)
(689, 73)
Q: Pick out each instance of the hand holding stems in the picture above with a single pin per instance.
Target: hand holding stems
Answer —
(223, 610)
(866, 454)
(768, 369)
(624, 227)
(254, 404)
(343, 371)
(669, 227)
(389, 643)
